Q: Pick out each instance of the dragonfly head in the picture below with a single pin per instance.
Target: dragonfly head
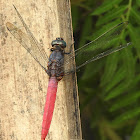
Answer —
(59, 42)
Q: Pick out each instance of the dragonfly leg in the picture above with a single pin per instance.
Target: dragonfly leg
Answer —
(60, 76)
(70, 49)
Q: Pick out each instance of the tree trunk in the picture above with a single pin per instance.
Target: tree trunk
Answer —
(23, 83)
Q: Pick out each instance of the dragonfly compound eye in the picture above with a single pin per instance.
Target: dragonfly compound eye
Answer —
(59, 41)
(59, 38)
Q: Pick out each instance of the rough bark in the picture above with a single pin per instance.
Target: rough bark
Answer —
(23, 82)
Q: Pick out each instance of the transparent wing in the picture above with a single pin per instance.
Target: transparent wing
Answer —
(29, 42)
(105, 44)
(103, 54)
(94, 58)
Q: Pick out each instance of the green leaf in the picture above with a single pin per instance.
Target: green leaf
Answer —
(129, 63)
(138, 2)
(117, 77)
(102, 29)
(135, 37)
(122, 87)
(111, 15)
(107, 5)
(136, 132)
(110, 68)
(88, 74)
(136, 81)
(111, 85)
(85, 31)
(135, 15)
(124, 101)
(127, 115)
(129, 67)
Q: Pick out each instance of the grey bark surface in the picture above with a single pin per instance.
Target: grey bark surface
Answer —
(23, 83)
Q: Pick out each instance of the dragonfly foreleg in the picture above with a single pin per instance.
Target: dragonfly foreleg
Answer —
(70, 49)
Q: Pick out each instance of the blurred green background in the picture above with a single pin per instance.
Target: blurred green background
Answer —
(109, 88)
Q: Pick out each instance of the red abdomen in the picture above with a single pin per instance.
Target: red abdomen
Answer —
(49, 106)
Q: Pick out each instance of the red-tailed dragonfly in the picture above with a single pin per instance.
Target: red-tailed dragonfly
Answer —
(54, 64)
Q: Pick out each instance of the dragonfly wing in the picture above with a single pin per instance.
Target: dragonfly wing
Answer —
(99, 56)
(29, 42)
(25, 41)
(107, 42)
(103, 54)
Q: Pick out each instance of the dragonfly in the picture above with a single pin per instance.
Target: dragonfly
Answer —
(56, 66)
